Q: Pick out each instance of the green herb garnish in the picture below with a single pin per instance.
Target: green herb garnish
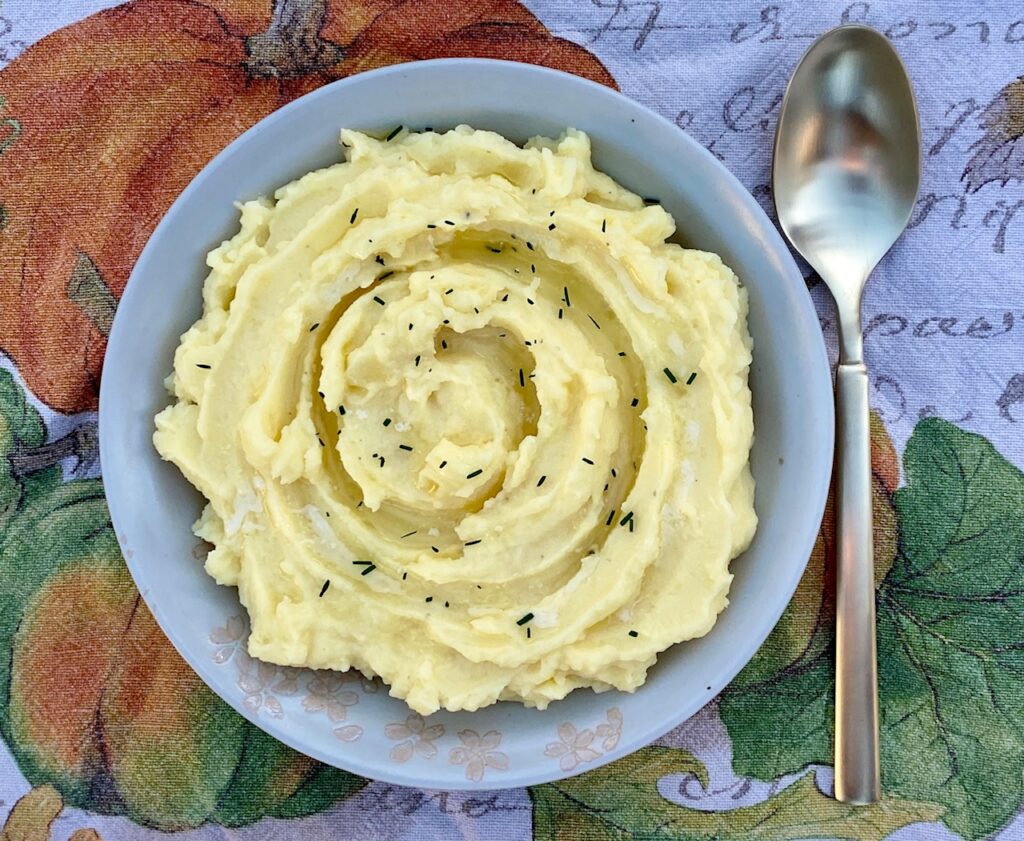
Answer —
(524, 619)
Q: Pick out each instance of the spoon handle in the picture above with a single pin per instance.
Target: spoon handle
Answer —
(857, 766)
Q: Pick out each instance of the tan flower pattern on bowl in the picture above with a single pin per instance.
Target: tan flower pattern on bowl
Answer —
(227, 639)
(262, 683)
(326, 693)
(348, 733)
(611, 730)
(576, 747)
(414, 736)
(478, 753)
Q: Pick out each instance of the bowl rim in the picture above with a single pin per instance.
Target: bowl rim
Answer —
(801, 541)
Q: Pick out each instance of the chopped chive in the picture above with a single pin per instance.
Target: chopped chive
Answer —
(405, 447)
(493, 250)
(540, 481)
(504, 298)
(382, 461)
(446, 604)
(529, 245)
(203, 365)
(434, 549)
(565, 295)
(405, 575)
(393, 135)
(631, 524)
(442, 464)
(387, 422)
(614, 474)
(431, 225)
(522, 381)
(526, 617)
(650, 200)
(627, 519)
(448, 291)
(321, 440)
(417, 362)
(587, 460)
(444, 345)
(352, 218)
(448, 222)
(533, 268)
(691, 378)
(429, 599)
(476, 472)
(529, 301)
(598, 326)
(324, 588)
(635, 402)
(311, 329)
(551, 227)
(634, 634)
(407, 534)
(368, 570)
(379, 259)
(604, 224)
(611, 516)
(622, 353)
(472, 542)
(605, 488)
(379, 300)
(385, 275)
(321, 394)
(670, 375)
(559, 312)
(362, 563)
(552, 213)
(528, 633)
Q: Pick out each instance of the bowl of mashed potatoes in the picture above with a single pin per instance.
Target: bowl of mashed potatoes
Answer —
(488, 412)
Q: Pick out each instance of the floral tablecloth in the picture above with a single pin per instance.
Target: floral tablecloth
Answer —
(106, 112)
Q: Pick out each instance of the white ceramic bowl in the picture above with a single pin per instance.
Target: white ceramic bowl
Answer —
(372, 734)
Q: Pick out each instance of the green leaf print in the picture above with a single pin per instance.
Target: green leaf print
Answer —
(951, 647)
(621, 801)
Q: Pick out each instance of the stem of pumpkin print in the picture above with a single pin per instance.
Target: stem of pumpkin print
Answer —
(82, 444)
(292, 45)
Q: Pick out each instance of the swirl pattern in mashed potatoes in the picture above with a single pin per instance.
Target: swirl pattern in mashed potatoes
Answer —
(465, 420)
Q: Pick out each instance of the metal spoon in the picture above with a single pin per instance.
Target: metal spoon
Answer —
(845, 177)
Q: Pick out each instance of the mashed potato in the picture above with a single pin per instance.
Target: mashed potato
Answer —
(466, 421)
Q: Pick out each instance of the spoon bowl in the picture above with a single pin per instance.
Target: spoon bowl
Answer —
(847, 158)
(845, 177)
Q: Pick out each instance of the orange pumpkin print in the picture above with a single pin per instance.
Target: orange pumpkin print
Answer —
(104, 122)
